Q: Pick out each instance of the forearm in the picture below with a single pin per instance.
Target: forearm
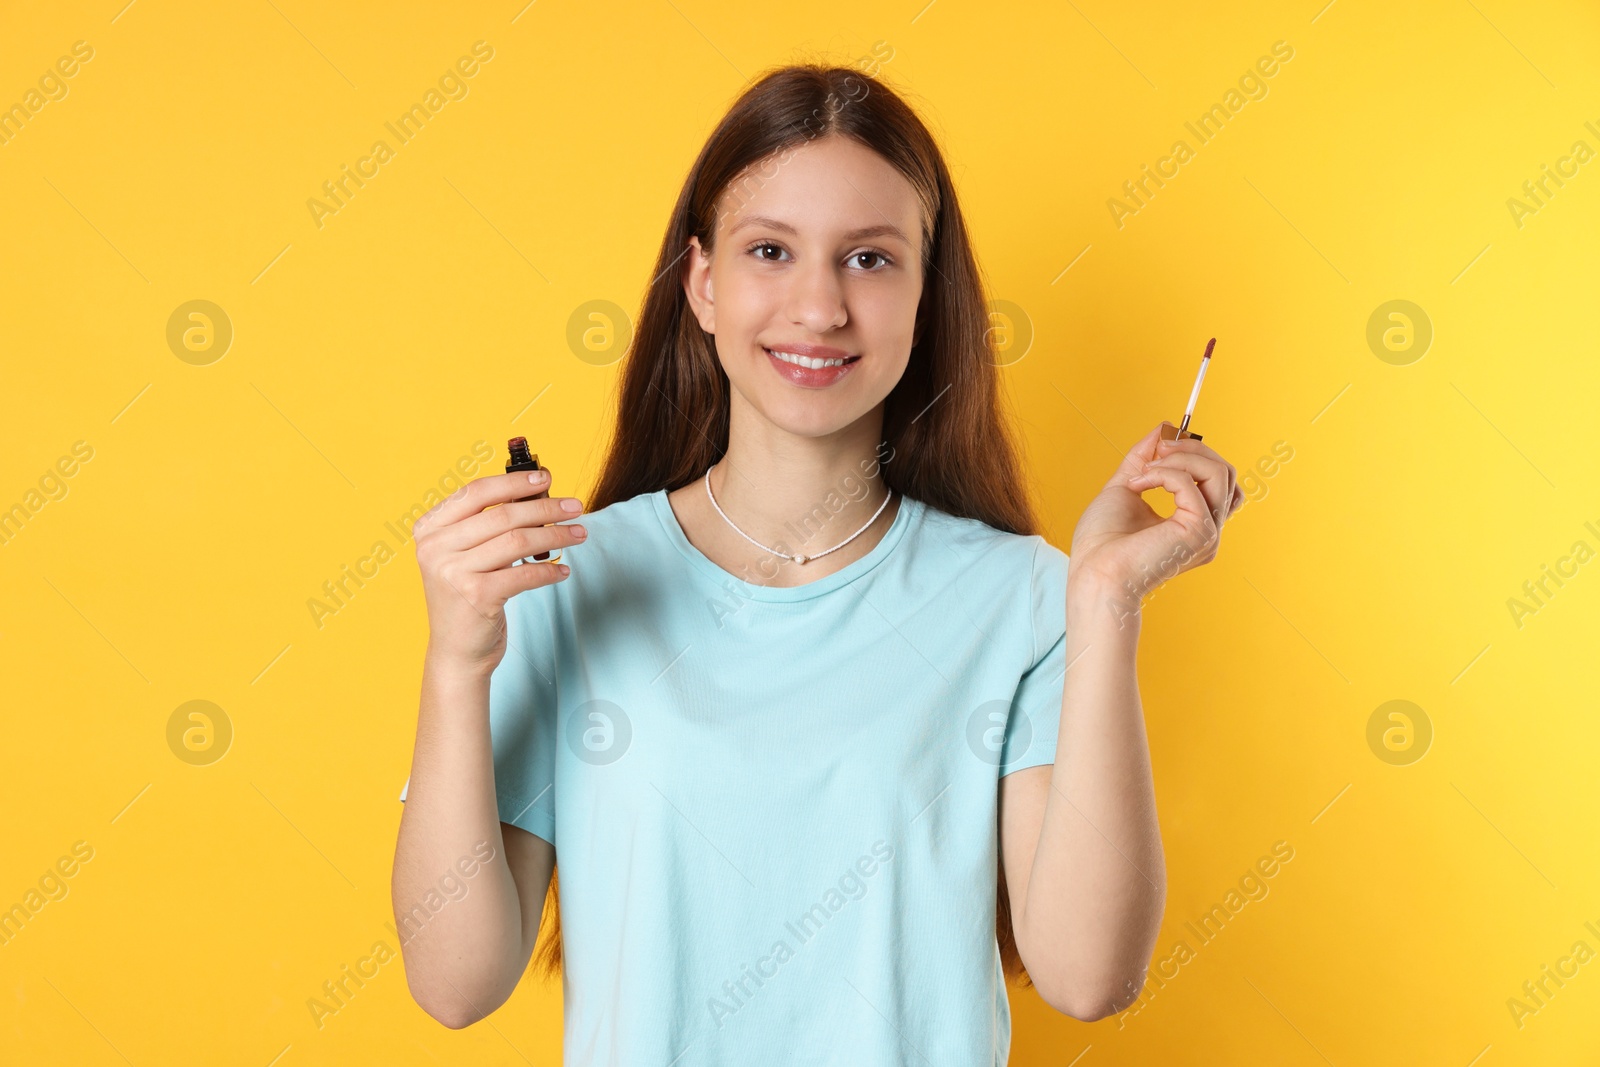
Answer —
(1097, 888)
(465, 960)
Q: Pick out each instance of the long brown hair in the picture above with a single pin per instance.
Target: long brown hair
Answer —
(951, 446)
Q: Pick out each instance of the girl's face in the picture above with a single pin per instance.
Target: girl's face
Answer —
(817, 256)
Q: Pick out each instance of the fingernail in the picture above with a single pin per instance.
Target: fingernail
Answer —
(572, 505)
(539, 477)
(578, 531)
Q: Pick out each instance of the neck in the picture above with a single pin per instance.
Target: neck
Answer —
(795, 494)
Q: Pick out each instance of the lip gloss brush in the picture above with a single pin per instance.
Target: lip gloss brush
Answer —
(1194, 395)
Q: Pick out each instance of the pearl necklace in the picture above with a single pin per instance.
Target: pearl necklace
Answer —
(785, 555)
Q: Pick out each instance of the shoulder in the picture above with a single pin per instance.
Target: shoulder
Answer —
(636, 511)
(996, 553)
(1021, 577)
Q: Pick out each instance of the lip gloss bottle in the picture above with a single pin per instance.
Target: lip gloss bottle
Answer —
(523, 460)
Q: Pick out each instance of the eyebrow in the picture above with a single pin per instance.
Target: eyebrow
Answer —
(882, 230)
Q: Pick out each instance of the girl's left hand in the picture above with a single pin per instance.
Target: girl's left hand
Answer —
(1122, 540)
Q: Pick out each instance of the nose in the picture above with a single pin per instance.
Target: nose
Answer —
(816, 298)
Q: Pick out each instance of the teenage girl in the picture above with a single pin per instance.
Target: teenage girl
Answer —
(791, 719)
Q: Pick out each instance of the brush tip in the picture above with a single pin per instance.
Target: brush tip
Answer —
(1209, 346)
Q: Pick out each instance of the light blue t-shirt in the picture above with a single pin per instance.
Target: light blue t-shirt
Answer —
(774, 809)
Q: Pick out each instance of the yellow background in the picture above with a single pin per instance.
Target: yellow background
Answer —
(431, 312)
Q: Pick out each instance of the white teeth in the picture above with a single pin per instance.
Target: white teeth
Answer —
(806, 361)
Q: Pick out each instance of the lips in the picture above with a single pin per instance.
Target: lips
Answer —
(811, 377)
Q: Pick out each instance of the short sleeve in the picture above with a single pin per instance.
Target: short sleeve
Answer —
(522, 715)
(1035, 717)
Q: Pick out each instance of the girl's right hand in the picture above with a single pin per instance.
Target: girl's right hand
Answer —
(466, 548)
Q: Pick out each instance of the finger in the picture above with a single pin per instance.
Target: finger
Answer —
(481, 493)
(1199, 448)
(1211, 475)
(507, 582)
(520, 542)
(474, 530)
(1142, 452)
(486, 593)
(1187, 444)
(1238, 500)
(1192, 513)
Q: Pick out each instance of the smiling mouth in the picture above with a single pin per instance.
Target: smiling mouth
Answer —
(807, 361)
